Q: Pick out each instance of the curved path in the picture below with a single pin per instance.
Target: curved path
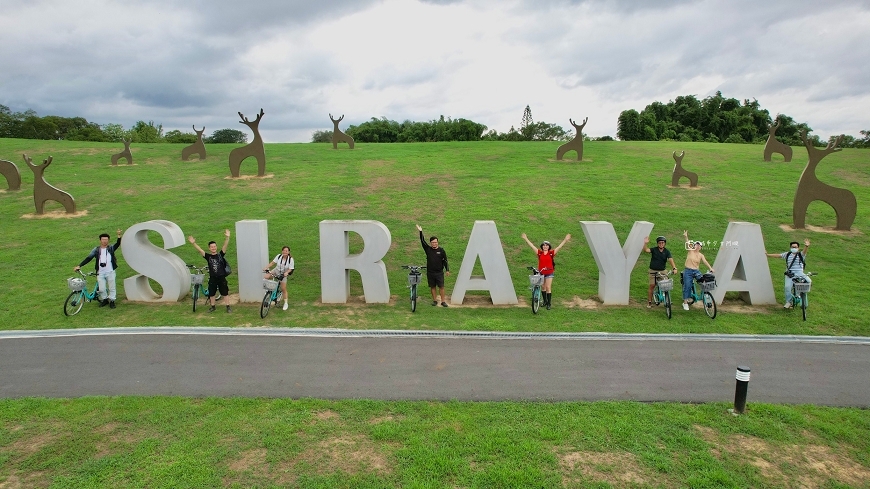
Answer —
(432, 365)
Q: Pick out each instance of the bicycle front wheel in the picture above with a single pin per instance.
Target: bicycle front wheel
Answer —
(74, 303)
(413, 298)
(657, 296)
(709, 305)
(668, 304)
(267, 302)
(804, 304)
(195, 295)
(536, 299)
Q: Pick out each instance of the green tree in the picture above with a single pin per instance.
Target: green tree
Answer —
(227, 136)
(114, 132)
(527, 124)
(143, 132)
(321, 137)
(176, 136)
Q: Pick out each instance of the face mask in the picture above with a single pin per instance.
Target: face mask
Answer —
(794, 250)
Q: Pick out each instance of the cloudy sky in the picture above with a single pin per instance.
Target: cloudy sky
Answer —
(200, 62)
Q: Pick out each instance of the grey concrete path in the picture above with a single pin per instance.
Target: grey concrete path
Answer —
(341, 364)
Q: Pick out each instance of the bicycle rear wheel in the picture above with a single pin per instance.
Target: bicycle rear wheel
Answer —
(413, 298)
(536, 299)
(668, 304)
(804, 304)
(195, 295)
(657, 296)
(267, 302)
(709, 305)
(74, 302)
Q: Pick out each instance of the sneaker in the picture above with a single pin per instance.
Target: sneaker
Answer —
(685, 306)
(228, 309)
(434, 303)
(787, 305)
(211, 309)
(104, 302)
(285, 306)
(111, 304)
(649, 305)
(443, 304)
(548, 306)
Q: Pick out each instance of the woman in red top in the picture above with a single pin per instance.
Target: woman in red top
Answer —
(546, 266)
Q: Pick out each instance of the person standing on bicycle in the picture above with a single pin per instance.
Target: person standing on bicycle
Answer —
(105, 266)
(795, 260)
(547, 265)
(284, 266)
(436, 266)
(217, 276)
(694, 257)
(659, 257)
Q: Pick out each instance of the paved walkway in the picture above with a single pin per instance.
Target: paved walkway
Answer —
(433, 365)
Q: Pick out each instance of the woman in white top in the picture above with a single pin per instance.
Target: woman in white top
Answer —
(284, 266)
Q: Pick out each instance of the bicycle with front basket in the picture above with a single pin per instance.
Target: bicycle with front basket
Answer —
(273, 292)
(702, 290)
(79, 293)
(800, 287)
(414, 276)
(662, 291)
(196, 286)
(536, 281)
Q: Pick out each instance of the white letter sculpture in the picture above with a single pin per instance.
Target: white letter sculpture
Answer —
(252, 254)
(152, 262)
(485, 243)
(741, 265)
(614, 263)
(336, 262)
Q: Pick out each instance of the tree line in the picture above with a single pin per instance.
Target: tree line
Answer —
(29, 125)
(716, 119)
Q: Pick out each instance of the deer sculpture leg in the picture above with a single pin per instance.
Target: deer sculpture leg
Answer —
(123, 154)
(11, 173)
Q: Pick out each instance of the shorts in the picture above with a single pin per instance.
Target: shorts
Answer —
(550, 275)
(652, 275)
(218, 283)
(435, 279)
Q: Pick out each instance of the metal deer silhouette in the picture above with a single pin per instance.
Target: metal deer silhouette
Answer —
(774, 146)
(810, 189)
(197, 148)
(255, 148)
(43, 192)
(13, 176)
(680, 172)
(575, 144)
(123, 154)
(337, 135)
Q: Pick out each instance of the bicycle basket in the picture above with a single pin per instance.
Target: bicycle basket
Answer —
(708, 286)
(666, 285)
(707, 277)
(270, 284)
(75, 284)
(536, 280)
(196, 279)
(414, 279)
(801, 287)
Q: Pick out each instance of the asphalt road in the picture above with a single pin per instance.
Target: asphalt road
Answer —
(335, 364)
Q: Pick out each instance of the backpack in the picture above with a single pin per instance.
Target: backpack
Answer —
(788, 273)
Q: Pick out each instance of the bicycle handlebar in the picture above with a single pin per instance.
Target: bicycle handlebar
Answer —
(414, 268)
(89, 274)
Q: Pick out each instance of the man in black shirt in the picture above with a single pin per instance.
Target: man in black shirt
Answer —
(217, 277)
(658, 259)
(436, 265)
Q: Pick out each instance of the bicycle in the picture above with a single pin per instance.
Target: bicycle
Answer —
(196, 285)
(707, 284)
(79, 293)
(414, 276)
(662, 292)
(800, 287)
(273, 292)
(536, 281)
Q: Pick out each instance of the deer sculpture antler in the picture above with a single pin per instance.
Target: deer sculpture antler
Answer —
(256, 121)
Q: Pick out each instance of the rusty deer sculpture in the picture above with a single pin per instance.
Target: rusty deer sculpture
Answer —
(810, 189)
(255, 148)
(774, 146)
(124, 154)
(680, 172)
(43, 192)
(196, 148)
(13, 176)
(575, 144)
(337, 135)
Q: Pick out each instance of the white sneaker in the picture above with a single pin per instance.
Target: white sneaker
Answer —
(285, 306)
(685, 306)
(787, 305)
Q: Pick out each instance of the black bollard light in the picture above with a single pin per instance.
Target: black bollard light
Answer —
(740, 389)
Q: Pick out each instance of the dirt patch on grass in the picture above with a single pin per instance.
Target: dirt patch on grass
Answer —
(389, 418)
(801, 465)
(250, 460)
(56, 214)
(821, 229)
(619, 469)
(250, 177)
(577, 302)
(685, 187)
(350, 454)
(739, 307)
(326, 415)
